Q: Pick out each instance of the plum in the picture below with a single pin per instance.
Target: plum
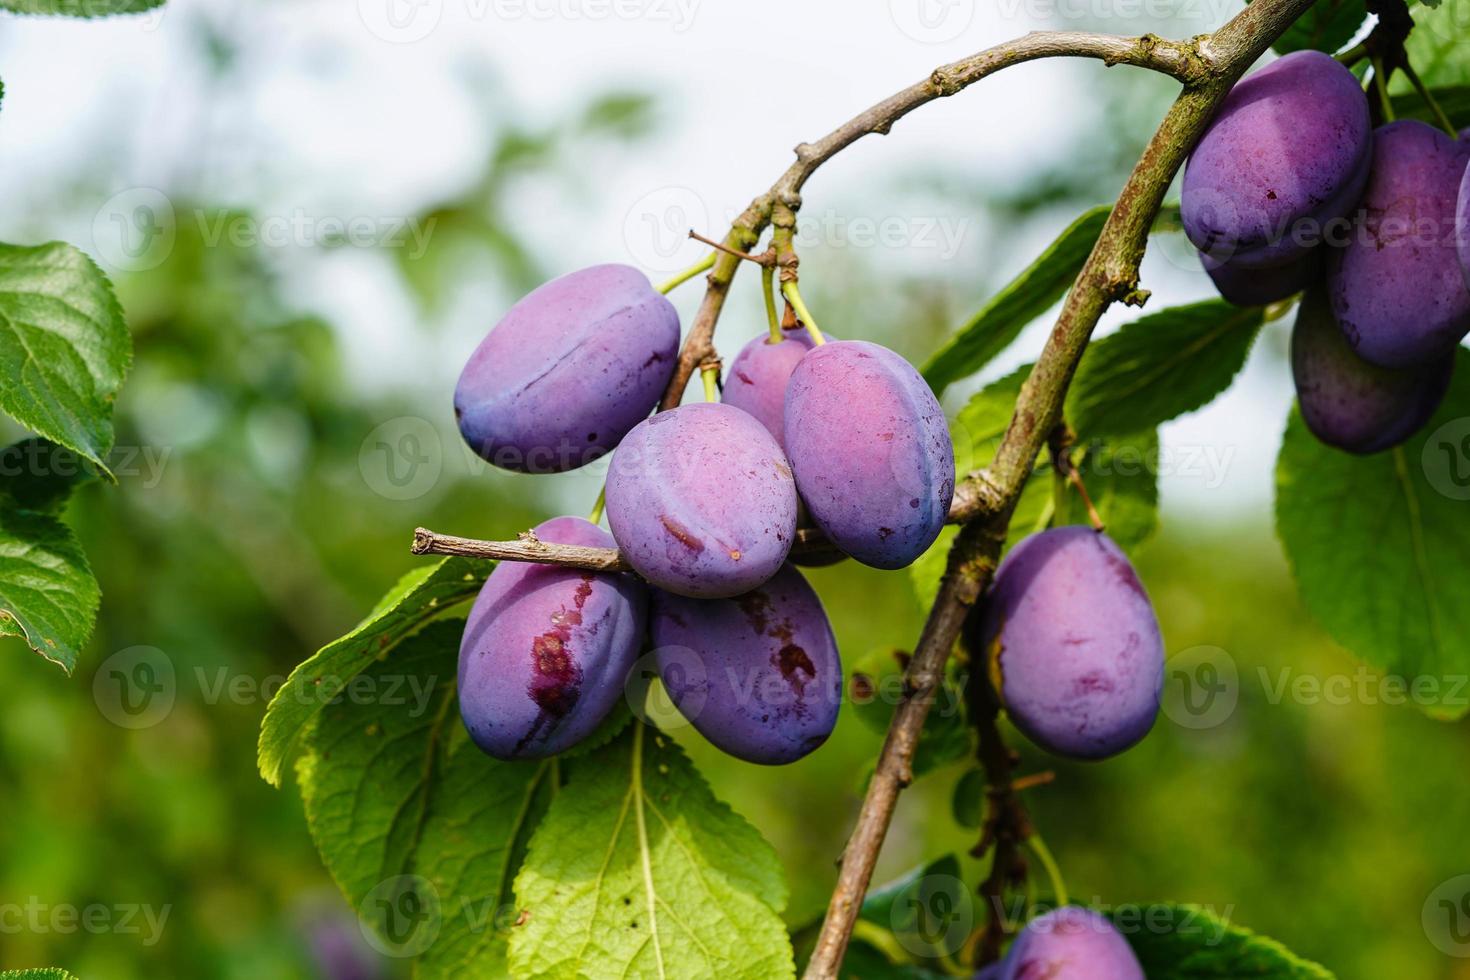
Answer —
(871, 451)
(1070, 943)
(1287, 153)
(546, 650)
(1071, 644)
(1257, 287)
(758, 674)
(1396, 286)
(1349, 403)
(759, 374)
(702, 502)
(568, 371)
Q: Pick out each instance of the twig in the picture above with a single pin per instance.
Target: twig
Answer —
(532, 549)
(1060, 441)
(765, 259)
(1109, 275)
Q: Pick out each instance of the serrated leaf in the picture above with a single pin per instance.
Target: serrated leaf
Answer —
(419, 596)
(80, 8)
(638, 871)
(1186, 942)
(1327, 26)
(1022, 300)
(396, 792)
(44, 973)
(47, 592)
(1159, 367)
(1380, 546)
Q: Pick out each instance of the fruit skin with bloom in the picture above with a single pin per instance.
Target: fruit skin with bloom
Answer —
(1071, 644)
(871, 451)
(568, 371)
(1397, 288)
(701, 501)
(758, 675)
(547, 649)
(1349, 403)
(757, 379)
(1070, 943)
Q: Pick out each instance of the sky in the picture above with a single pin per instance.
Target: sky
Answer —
(357, 113)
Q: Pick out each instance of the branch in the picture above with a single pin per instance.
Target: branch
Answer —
(1180, 59)
(1110, 274)
(530, 548)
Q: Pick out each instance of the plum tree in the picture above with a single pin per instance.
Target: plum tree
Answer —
(568, 371)
(757, 674)
(1070, 943)
(759, 374)
(1350, 403)
(1396, 286)
(1287, 152)
(871, 451)
(1071, 644)
(701, 501)
(546, 650)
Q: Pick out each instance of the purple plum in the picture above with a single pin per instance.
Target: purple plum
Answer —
(568, 371)
(1071, 644)
(1269, 284)
(1349, 403)
(759, 374)
(757, 674)
(702, 502)
(871, 451)
(1396, 286)
(546, 650)
(1287, 153)
(1071, 943)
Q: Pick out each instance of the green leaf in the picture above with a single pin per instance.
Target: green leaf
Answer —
(1160, 367)
(400, 802)
(1380, 546)
(1186, 942)
(878, 686)
(419, 596)
(883, 905)
(1453, 99)
(1022, 300)
(1327, 26)
(38, 475)
(44, 973)
(64, 348)
(47, 592)
(80, 8)
(638, 871)
(1121, 475)
(1436, 47)
(864, 961)
(967, 805)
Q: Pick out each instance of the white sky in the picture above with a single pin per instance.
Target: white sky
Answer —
(362, 105)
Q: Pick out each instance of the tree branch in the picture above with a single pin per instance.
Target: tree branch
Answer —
(1183, 60)
(530, 548)
(1110, 274)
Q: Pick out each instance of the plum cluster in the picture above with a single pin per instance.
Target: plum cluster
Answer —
(704, 501)
(1292, 190)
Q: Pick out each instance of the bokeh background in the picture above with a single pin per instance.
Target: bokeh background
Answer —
(314, 210)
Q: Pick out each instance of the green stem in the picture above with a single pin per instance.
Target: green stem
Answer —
(703, 265)
(596, 514)
(711, 378)
(793, 296)
(1353, 55)
(1380, 82)
(1049, 863)
(768, 279)
(1429, 100)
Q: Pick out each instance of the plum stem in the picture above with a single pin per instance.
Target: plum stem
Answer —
(768, 290)
(1061, 440)
(709, 373)
(793, 296)
(597, 506)
(1380, 83)
(703, 265)
(765, 259)
(1049, 864)
(1429, 99)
